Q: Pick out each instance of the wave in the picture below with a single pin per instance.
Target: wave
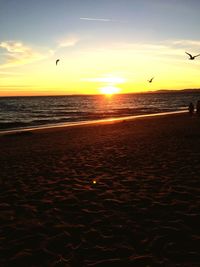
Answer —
(23, 112)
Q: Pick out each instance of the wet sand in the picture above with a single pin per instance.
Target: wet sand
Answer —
(115, 194)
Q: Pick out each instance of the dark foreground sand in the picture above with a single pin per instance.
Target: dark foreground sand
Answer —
(144, 209)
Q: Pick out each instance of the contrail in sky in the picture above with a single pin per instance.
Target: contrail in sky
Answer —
(97, 19)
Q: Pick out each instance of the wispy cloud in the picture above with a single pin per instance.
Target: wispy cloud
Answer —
(18, 53)
(186, 44)
(68, 41)
(15, 47)
(168, 48)
(11, 86)
(106, 79)
(9, 73)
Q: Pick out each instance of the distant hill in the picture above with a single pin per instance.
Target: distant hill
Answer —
(165, 91)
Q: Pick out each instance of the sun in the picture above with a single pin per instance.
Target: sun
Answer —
(109, 90)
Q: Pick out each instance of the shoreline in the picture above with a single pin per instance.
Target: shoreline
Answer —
(82, 123)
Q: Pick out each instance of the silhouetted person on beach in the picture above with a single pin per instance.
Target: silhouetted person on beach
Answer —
(198, 108)
(191, 108)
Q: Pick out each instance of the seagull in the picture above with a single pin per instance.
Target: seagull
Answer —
(150, 81)
(57, 61)
(192, 57)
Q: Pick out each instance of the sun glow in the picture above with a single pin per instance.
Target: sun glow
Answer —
(109, 90)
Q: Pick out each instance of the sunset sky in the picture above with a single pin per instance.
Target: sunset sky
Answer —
(117, 44)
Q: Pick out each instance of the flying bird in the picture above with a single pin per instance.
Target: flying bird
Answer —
(150, 81)
(192, 57)
(57, 61)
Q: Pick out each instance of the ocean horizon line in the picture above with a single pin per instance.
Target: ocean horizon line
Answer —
(185, 90)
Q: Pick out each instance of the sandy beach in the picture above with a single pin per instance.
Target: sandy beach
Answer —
(125, 193)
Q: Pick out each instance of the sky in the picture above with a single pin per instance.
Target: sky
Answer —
(103, 46)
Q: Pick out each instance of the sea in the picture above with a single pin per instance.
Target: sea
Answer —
(40, 111)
